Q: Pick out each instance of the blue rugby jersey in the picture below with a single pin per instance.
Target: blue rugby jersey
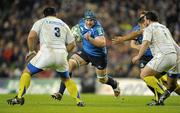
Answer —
(95, 31)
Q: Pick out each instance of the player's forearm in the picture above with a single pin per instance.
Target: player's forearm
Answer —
(131, 35)
(32, 40)
(97, 43)
(134, 45)
(143, 48)
(31, 43)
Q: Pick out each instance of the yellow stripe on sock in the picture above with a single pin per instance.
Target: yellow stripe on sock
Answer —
(24, 84)
(153, 82)
(72, 89)
(163, 80)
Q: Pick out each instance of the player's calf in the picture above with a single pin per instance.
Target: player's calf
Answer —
(113, 83)
(164, 96)
(117, 90)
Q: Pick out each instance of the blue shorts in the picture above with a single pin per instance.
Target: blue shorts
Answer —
(99, 62)
(144, 60)
(174, 75)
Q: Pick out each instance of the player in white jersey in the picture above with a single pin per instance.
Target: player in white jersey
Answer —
(56, 41)
(158, 38)
(173, 74)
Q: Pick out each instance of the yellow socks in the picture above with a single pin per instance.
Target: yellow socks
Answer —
(72, 89)
(24, 84)
(154, 83)
(163, 80)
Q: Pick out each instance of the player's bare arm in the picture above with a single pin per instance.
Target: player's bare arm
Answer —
(98, 41)
(32, 40)
(134, 45)
(142, 50)
(127, 37)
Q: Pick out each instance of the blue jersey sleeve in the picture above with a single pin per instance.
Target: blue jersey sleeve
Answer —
(98, 31)
(136, 28)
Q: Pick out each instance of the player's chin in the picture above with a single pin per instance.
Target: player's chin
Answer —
(90, 26)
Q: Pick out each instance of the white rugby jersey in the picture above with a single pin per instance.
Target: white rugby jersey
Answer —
(53, 33)
(160, 38)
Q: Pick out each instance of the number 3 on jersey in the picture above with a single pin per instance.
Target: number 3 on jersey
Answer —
(57, 32)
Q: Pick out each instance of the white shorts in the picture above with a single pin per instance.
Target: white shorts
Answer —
(162, 62)
(51, 58)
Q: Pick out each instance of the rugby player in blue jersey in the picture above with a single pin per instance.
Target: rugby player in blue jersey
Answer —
(93, 51)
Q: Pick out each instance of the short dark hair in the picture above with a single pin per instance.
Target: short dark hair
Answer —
(49, 11)
(151, 16)
(143, 12)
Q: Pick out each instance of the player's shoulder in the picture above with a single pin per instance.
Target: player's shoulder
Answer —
(39, 20)
(62, 23)
(149, 28)
(97, 26)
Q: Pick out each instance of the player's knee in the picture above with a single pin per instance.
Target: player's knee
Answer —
(72, 64)
(142, 75)
(102, 78)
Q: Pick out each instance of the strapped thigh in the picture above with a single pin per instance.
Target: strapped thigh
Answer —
(100, 76)
(75, 61)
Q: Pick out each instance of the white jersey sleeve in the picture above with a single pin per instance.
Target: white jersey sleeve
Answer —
(147, 35)
(36, 26)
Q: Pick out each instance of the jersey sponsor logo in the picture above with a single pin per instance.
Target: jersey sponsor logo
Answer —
(100, 32)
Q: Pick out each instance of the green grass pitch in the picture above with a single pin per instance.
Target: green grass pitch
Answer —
(94, 104)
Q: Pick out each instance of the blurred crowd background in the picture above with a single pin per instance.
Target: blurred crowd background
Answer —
(117, 17)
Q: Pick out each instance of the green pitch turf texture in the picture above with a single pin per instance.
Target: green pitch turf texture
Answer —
(94, 104)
